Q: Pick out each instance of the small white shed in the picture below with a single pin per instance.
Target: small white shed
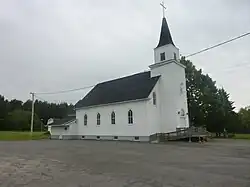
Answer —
(63, 128)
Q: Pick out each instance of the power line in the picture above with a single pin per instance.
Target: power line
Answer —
(193, 54)
(64, 91)
(46, 100)
(40, 98)
(232, 68)
(220, 44)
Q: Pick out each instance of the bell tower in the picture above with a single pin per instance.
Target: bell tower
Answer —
(166, 49)
(172, 108)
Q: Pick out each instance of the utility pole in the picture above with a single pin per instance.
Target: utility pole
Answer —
(32, 112)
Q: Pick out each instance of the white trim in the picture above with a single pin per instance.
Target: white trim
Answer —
(166, 62)
(130, 101)
(59, 125)
(165, 46)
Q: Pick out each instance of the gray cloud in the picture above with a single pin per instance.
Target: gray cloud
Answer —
(61, 44)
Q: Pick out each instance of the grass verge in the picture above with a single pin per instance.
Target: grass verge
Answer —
(13, 136)
(242, 136)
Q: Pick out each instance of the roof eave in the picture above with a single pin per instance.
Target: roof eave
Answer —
(165, 46)
(166, 62)
(64, 124)
(114, 103)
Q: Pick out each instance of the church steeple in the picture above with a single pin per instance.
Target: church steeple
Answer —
(165, 37)
(165, 50)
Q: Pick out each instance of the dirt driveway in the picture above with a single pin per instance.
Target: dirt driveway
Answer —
(113, 164)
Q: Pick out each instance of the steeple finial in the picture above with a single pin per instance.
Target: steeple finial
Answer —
(163, 8)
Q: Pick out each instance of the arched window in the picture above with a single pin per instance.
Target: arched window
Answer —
(113, 117)
(98, 119)
(130, 117)
(154, 98)
(85, 119)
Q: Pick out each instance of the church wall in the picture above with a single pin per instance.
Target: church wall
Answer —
(181, 96)
(169, 52)
(153, 114)
(172, 75)
(73, 129)
(121, 128)
(70, 133)
(56, 131)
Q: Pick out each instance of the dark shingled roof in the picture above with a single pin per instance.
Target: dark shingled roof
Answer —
(63, 120)
(165, 37)
(128, 88)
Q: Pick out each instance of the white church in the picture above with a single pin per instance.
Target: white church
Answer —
(135, 107)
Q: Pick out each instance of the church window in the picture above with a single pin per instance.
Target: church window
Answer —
(181, 88)
(163, 56)
(130, 117)
(154, 98)
(182, 112)
(98, 119)
(175, 57)
(113, 117)
(85, 119)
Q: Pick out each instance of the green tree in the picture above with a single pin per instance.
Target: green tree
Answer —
(19, 120)
(244, 115)
(15, 115)
(14, 105)
(208, 106)
(3, 112)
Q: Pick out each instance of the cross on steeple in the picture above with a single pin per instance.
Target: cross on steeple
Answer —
(163, 8)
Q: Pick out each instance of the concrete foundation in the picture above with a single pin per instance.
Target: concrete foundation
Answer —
(91, 137)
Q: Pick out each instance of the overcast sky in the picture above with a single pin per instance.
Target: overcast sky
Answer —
(50, 45)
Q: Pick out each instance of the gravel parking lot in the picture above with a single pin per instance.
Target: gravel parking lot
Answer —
(112, 164)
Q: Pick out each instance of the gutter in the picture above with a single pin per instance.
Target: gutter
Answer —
(116, 103)
(64, 124)
(166, 62)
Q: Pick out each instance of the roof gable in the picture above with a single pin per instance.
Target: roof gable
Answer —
(128, 88)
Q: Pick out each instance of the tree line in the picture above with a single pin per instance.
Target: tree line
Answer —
(209, 106)
(15, 115)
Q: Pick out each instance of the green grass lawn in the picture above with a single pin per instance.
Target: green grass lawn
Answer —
(242, 136)
(22, 135)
